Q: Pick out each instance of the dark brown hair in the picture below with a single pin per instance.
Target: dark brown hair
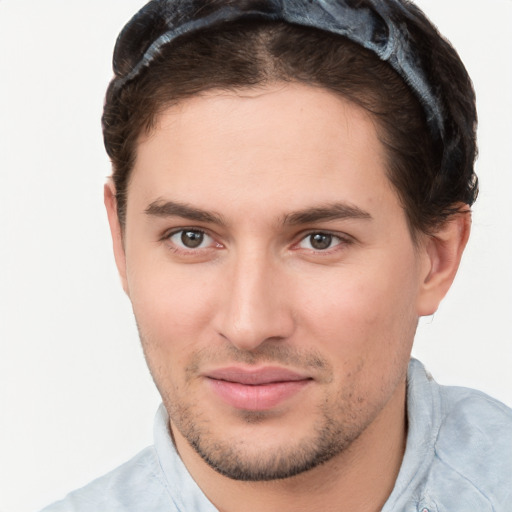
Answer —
(251, 54)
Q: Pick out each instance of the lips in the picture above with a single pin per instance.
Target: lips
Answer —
(256, 389)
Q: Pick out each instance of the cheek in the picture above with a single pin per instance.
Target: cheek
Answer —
(366, 314)
(364, 324)
(173, 306)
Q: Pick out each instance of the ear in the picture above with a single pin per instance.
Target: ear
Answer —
(109, 194)
(443, 252)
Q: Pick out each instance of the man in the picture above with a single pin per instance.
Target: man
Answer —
(291, 191)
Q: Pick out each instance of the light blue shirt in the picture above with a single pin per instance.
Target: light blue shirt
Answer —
(458, 459)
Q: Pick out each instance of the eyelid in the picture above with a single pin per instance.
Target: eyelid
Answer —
(168, 234)
(343, 238)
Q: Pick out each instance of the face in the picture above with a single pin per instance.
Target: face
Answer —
(273, 276)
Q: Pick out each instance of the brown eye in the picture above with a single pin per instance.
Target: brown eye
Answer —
(320, 241)
(192, 239)
(191, 242)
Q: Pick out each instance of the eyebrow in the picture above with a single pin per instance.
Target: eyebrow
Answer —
(334, 211)
(161, 208)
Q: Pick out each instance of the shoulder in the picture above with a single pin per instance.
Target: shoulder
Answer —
(474, 444)
(136, 485)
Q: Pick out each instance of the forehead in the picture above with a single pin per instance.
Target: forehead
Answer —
(285, 145)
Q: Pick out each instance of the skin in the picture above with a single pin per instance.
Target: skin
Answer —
(261, 171)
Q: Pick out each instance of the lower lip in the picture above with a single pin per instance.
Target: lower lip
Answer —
(256, 397)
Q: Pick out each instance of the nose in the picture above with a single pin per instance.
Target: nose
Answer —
(256, 305)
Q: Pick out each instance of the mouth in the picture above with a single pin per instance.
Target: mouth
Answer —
(257, 389)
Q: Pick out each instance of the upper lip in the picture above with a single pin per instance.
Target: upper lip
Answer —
(256, 376)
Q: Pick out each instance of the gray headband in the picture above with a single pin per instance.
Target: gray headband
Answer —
(378, 25)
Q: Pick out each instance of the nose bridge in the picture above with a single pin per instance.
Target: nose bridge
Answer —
(254, 309)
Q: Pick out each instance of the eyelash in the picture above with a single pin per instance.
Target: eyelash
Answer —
(342, 241)
(167, 237)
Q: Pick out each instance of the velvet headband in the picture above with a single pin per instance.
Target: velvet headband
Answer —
(381, 26)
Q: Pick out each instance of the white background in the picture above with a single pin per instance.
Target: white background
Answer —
(76, 398)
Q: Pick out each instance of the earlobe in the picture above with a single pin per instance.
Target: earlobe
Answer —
(109, 195)
(443, 253)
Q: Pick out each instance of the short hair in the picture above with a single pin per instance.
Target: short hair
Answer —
(432, 180)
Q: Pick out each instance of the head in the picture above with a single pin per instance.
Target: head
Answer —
(286, 201)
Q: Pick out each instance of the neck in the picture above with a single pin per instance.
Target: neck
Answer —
(361, 478)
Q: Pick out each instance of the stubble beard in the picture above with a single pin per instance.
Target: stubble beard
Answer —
(228, 457)
(340, 421)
